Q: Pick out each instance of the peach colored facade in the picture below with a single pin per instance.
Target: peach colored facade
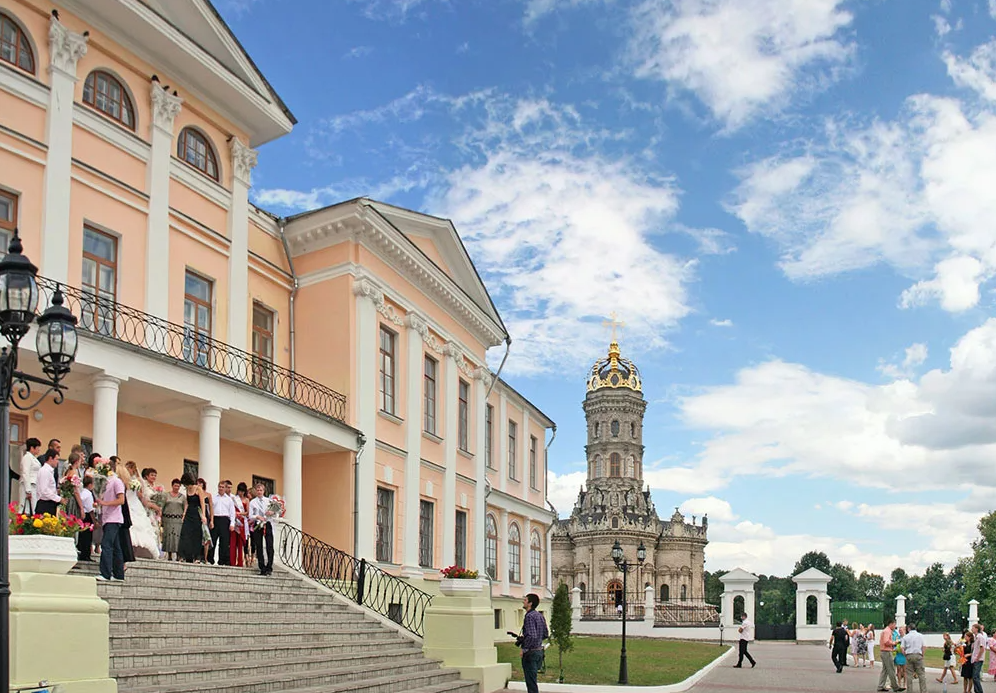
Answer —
(294, 350)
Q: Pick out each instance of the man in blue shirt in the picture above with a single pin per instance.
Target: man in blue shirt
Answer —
(534, 632)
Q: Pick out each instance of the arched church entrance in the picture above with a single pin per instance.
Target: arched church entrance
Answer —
(615, 592)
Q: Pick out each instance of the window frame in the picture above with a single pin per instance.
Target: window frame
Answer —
(388, 380)
(463, 414)
(210, 155)
(22, 43)
(533, 469)
(535, 559)
(384, 531)
(615, 465)
(491, 546)
(7, 226)
(513, 432)
(429, 394)
(91, 313)
(614, 429)
(514, 554)
(193, 355)
(124, 101)
(269, 485)
(489, 434)
(460, 539)
(426, 532)
(262, 364)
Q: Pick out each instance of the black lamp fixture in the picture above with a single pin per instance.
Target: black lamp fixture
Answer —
(56, 348)
(619, 558)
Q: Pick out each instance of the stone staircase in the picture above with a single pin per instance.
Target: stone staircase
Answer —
(179, 628)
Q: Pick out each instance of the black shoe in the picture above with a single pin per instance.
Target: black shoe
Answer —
(753, 664)
(737, 666)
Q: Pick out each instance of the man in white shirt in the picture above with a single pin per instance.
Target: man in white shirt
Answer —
(913, 649)
(84, 540)
(46, 489)
(224, 516)
(746, 636)
(29, 475)
(263, 527)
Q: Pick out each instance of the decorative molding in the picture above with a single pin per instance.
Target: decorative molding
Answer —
(19, 84)
(387, 447)
(89, 120)
(484, 375)
(114, 196)
(417, 324)
(363, 287)
(389, 312)
(200, 184)
(243, 161)
(165, 108)
(67, 47)
(22, 154)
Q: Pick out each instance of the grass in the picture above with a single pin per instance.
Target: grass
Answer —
(595, 660)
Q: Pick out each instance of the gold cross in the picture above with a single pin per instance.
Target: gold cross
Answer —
(613, 323)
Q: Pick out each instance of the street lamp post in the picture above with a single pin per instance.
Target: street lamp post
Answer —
(622, 564)
(55, 345)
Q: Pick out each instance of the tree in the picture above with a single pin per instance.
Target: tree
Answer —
(560, 624)
(843, 585)
(713, 587)
(871, 587)
(812, 559)
(980, 570)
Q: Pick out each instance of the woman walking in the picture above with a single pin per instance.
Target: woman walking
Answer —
(176, 504)
(191, 546)
(967, 639)
(949, 660)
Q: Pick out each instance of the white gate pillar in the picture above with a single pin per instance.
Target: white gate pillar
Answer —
(648, 604)
(901, 610)
(811, 583)
(973, 613)
(576, 604)
(737, 583)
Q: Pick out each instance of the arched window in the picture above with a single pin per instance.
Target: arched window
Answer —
(14, 46)
(514, 553)
(665, 593)
(614, 592)
(194, 148)
(684, 592)
(632, 430)
(583, 588)
(491, 548)
(615, 523)
(104, 92)
(614, 465)
(535, 559)
(598, 466)
(812, 605)
(615, 429)
(596, 429)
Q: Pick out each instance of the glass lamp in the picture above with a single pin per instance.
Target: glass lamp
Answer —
(18, 292)
(56, 340)
(641, 553)
(617, 552)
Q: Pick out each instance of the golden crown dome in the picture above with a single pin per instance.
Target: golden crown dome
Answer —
(614, 372)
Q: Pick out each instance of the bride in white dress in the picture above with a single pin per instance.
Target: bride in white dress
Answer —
(144, 537)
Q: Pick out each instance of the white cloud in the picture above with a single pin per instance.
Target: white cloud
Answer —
(717, 509)
(357, 52)
(914, 356)
(721, 323)
(393, 10)
(535, 9)
(992, 8)
(562, 490)
(742, 58)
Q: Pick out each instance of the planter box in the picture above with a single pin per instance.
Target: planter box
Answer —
(37, 553)
(461, 588)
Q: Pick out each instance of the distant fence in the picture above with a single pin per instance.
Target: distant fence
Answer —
(685, 613)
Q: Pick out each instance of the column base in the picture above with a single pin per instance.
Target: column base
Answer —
(411, 571)
(490, 678)
(459, 630)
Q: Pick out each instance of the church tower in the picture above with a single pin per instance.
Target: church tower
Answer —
(614, 408)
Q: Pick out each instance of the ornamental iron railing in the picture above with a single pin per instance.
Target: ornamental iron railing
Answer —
(105, 319)
(355, 579)
(685, 612)
(610, 608)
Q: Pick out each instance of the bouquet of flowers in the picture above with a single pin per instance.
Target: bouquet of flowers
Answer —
(135, 485)
(102, 471)
(65, 526)
(276, 508)
(67, 487)
(103, 467)
(158, 496)
(455, 572)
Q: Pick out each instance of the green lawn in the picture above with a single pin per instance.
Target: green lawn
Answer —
(595, 660)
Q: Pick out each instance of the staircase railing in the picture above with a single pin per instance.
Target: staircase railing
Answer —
(354, 578)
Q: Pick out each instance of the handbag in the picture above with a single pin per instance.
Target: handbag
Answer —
(205, 534)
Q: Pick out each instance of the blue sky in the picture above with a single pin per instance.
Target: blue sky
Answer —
(789, 202)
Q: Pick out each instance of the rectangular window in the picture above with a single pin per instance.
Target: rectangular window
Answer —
(489, 417)
(262, 346)
(8, 218)
(385, 525)
(533, 472)
(512, 435)
(196, 318)
(463, 415)
(387, 342)
(100, 279)
(269, 485)
(426, 513)
(460, 555)
(429, 388)
(498, 625)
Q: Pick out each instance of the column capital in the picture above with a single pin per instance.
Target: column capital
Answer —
(67, 47)
(210, 411)
(418, 324)
(103, 380)
(293, 437)
(165, 107)
(244, 160)
(452, 350)
(484, 375)
(363, 287)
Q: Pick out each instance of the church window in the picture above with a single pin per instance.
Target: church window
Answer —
(491, 548)
(513, 431)
(194, 148)
(489, 431)
(614, 465)
(665, 593)
(684, 592)
(598, 466)
(104, 92)
(535, 559)
(514, 554)
(615, 523)
(632, 430)
(615, 429)
(429, 395)
(596, 429)
(614, 592)
(582, 587)
(14, 46)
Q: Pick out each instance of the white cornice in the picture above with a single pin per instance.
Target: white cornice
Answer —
(20, 84)
(509, 503)
(93, 122)
(199, 183)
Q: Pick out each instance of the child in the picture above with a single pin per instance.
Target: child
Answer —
(949, 659)
(84, 540)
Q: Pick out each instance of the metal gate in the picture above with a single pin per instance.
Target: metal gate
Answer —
(779, 631)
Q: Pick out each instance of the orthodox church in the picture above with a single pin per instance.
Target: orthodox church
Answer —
(615, 505)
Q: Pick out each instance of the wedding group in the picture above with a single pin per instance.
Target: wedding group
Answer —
(126, 515)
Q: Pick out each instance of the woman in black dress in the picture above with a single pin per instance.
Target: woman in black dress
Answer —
(967, 638)
(190, 547)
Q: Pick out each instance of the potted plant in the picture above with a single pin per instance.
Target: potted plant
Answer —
(459, 581)
(42, 543)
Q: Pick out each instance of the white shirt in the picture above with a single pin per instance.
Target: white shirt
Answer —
(223, 506)
(912, 643)
(29, 471)
(258, 508)
(87, 497)
(747, 630)
(46, 488)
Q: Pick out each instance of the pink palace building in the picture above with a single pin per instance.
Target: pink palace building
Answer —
(337, 355)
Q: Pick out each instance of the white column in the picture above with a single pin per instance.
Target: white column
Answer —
(502, 465)
(648, 604)
(973, 613)
(66, 49)
(503, 550)
(483, 377)
(418, 331)
(243, 162)
(527, 541)
(576, 604)
(901, 610)
(368, 298)
(210, 446)
(800, 608)
(450, 355)
(165, 108)
(105, 415)
(293, 477)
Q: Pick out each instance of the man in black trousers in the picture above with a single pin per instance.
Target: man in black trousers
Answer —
(746, 636)
(839, 642)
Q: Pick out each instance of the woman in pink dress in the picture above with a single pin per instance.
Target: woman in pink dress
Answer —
(992, 657)
(240, 530)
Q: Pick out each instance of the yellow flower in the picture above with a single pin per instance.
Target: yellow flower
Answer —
(37, 524)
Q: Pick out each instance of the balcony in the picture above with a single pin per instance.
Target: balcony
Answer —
(106, 320)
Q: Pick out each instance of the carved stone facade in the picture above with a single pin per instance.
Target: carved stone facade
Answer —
(615, 505)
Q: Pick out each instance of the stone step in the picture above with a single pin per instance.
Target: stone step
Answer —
(187, 572)
(121, 623)
(246, 648)
(127, 641)
(375, 681)
(210, 610)
(313, 670)
(194, 596)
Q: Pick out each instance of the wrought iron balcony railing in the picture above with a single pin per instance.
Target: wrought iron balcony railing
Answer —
(109, 320)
